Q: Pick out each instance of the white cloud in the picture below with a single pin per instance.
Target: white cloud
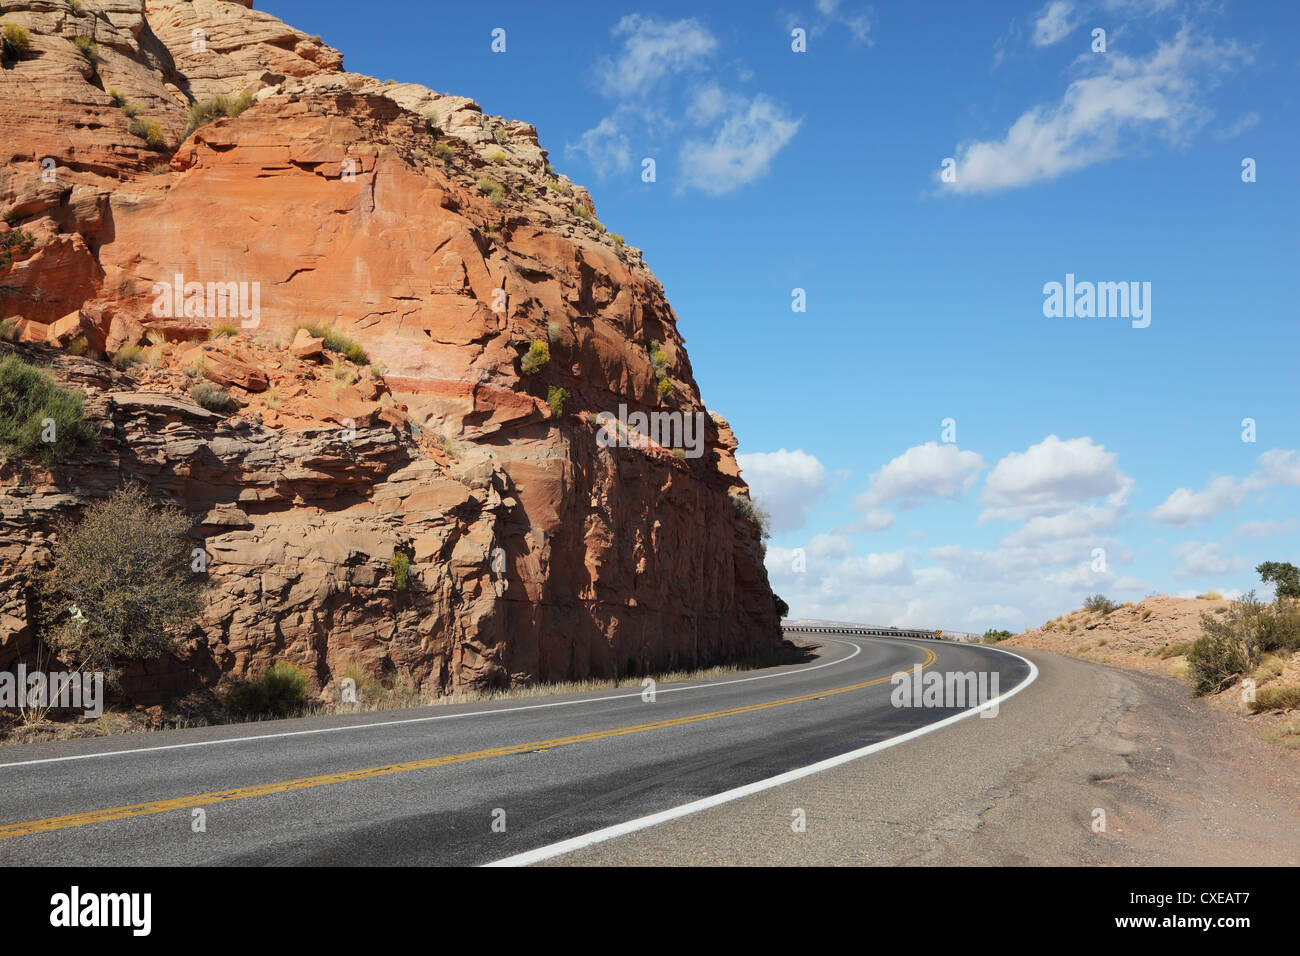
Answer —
(1205, 560)
(1101, 116)
(1077, 523)
(1267, 529)
(1185, 507)
(1248, 121)
(652, 50)
(741, 150)
(1051, 477)
(605, 147)
(1054, 23)
(828, 14)
(786, 484)
(931, 470)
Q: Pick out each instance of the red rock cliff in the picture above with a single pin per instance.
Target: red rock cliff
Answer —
(439, 239)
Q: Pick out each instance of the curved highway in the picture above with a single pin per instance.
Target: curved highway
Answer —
(515, 781)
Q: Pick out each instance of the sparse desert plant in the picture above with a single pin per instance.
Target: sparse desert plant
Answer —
(1282, 697)
(401, 567)
(341, 372)
(536, 358)
(553, 333)
(280, 692)
(223, 329)
(273, 398)
(203, 112)
(444, 151)
(560, 186)
(155, 357)
(1210, 596)
(117, 96)
(148, 130)
(87, 47)
(9, 330)
(38, 418)
(198, 367)
(992, 636)
(1099, 603)
(128, 355)
(500, 135)
(336, 341)
(76, 7)
(494, 191)
(15, 243)
(159, 169)
(211, 396)
(618, 240)
(17, 39)
(130, 110)
(498, 157)
(155, 336)
(581, 211)
(752, 513)
(665, 387)
(556, 397)
(378, 370)
(121, 586)
(1215, 662)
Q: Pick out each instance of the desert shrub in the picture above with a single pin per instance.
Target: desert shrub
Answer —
(498, 157)
(158, 169)
(500, 135)
(1210, 596)
(206, 111)
(76, 7)
(130, 111)
(128, 355)
(16, 242)
(992, 636)
(336, 341)
(560, 186)
(149, 131)
(492, 189)
(401, 566)
(121, 586)
(553, 333)
(210, 396)
(1099, 603)
(536, 358)
(9, 330)
(117, 96)
(618, 240)
(223, 329)
(33, 408)
(556, 397)
(665, 387)
(751, 512)
(87, 47)
(273, 398)
(1175, 649)
(1215, 662)
(1282, 697)
(280, 692)
(658, 359)
(17, 39)
(444, 151)
(581, 211)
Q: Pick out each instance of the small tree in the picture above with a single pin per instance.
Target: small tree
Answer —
(1099, 603)
(121, 586)
(1284, 575)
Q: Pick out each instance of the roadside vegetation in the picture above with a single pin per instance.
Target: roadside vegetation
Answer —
(38, 418)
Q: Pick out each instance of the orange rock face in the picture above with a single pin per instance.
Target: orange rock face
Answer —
(383, 214)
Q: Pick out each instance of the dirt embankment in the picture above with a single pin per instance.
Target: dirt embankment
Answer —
(1154, 635)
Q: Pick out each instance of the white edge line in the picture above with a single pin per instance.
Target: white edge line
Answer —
(686, 809)
(857, 649)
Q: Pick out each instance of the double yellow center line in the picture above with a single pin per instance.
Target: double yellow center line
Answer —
(346, 776)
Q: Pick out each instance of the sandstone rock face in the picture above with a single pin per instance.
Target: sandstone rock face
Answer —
(438, 239)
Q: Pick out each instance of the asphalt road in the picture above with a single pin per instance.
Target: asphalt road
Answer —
(459, 785)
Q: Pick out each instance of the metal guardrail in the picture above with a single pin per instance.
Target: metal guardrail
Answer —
(863, 631)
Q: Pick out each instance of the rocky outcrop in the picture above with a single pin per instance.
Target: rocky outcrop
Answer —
(439, 239)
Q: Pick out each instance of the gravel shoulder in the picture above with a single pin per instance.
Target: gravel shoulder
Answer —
(1178, 781)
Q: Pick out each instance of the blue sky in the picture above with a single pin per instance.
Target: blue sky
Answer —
(820, 170)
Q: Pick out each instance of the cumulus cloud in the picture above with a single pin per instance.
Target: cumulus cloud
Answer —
(786, 484)
(652, 50)
(931, 470)
(1051, 477)
(1102, 115)
(829, 14)
(663, 81)
(1054, 23)
(1198, 560)
(1185, 507)
(1267, 529)
(741, 150)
